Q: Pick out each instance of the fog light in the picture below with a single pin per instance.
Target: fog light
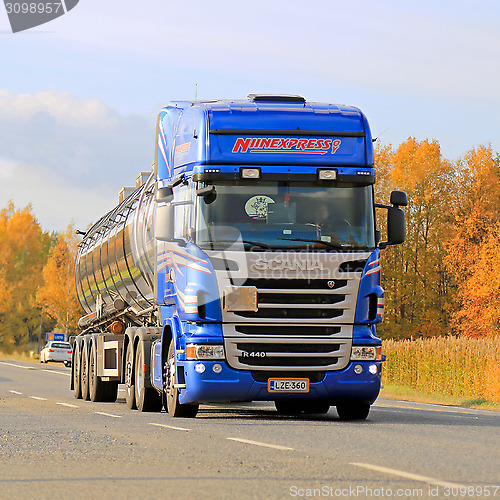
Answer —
(199, 367)
(358, 369)
(217, 368)
(373, 369)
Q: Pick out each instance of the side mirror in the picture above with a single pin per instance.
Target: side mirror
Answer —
(164, 222)
(164, 194)
(395, 220)
(399, 199)
(209, 194)
(395, 225)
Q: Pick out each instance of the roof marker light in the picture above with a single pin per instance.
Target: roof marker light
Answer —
(327, 175)
(250, 173)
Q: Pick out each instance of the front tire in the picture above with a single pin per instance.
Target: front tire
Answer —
(174, 408)
(146, 398)
(353, 411)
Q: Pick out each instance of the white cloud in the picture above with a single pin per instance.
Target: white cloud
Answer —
(64, 108)
(68, 156)
(55, 202)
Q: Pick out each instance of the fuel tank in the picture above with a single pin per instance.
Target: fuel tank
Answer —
(117, 254)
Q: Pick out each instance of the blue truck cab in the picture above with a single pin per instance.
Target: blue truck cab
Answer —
(266, 256)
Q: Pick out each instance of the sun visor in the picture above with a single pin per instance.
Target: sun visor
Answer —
(287, 147)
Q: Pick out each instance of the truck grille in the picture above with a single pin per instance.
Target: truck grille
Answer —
(287, 354)
(286, 330)
(299, 300)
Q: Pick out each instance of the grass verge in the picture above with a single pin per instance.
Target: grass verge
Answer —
(406, 393)
(20, 356)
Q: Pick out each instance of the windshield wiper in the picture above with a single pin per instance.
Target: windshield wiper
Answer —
(245, 242)
(327, 243)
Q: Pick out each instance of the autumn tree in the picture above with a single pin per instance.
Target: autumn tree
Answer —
(414, 274)
(24, 252)
(57, 295)
(472, 252)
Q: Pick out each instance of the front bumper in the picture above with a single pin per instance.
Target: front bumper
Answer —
(239, 385)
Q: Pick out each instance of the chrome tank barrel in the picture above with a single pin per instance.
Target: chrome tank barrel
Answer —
(117, 254)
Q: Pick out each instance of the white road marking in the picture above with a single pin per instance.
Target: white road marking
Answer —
(15, 392)
(18, 366)
(257, 443)
(170, 427)
(458, 413)
(108, 414)
(59, 373)
(409, 475)
(69, 405)
(38, 398)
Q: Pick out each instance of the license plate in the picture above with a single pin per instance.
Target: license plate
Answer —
(288, 385)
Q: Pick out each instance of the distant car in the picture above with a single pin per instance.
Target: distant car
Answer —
(57, 351)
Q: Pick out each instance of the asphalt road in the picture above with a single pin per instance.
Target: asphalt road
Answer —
(54, 446)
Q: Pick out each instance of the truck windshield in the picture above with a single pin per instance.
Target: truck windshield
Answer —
(287, 215)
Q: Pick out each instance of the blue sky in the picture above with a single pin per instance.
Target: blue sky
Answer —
(79, 95)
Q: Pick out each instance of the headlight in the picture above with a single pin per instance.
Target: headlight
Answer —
(195, 351)
(366, 353)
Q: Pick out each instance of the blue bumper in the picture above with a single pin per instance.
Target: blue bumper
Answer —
(233, 385)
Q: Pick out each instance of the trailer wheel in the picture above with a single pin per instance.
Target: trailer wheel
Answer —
(353, 411)
(77, 381)
(84, 373)
(129, 377)
(146, 398)
(174, 408)
(98, 389)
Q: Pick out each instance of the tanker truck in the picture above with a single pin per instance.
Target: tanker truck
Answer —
(244, 267)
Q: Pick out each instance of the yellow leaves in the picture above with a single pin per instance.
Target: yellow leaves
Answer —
(413, 274)
(22, 256)
(472, 251)
(415, 162)
(57, 295)
(23, 252)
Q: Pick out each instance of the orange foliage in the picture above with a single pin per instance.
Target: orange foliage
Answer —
(24, 250)
(57, 295)
(472, 252)
(414, 275)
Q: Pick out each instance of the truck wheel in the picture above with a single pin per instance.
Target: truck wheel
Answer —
(146, 398)
(129, 377)
(97, 388)
(174, 408)
(353, 411)
(84, 373)
(77, 381)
